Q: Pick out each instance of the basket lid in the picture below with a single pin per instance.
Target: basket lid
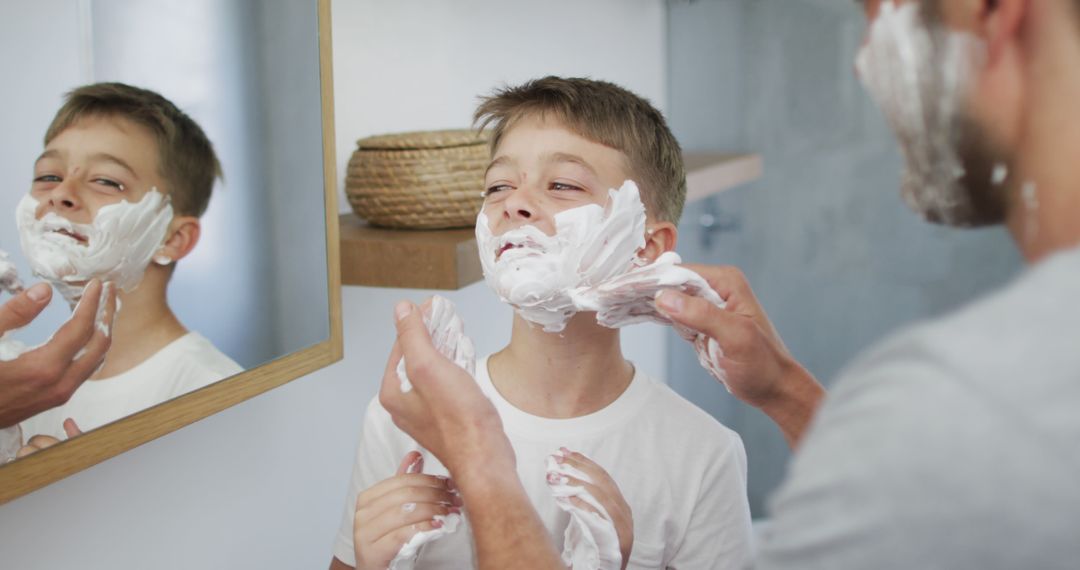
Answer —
(421, 140)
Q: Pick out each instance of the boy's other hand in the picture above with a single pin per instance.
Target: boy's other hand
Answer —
(445, 412)
(760, 370)
(40, 442)
(607, 493)
(389, 513)
(48, 375)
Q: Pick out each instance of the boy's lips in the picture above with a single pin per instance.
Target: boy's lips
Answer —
(73, 235)
(504, 248)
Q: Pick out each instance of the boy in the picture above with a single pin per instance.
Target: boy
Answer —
(670, 477)
(117, 195)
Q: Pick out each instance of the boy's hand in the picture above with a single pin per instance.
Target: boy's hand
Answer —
(607, 493)
(389, 513)
(48, 375)
(760, 371)
(40, 442)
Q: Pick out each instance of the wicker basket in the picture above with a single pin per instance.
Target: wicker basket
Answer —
(419, 180)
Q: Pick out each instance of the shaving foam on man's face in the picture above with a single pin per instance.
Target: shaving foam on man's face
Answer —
(921, 75)
(552, 220)
(94, 209)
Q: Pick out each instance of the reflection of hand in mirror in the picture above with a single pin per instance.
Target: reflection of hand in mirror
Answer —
(40, 442)
(48, 375)
(389, 513)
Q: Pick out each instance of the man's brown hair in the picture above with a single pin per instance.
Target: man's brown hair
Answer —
(186, 157)
(607, 114)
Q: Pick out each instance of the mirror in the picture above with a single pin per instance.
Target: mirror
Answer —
(262, 283)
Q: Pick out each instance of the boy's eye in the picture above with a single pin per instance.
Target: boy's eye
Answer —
(107, 182)
(47, 178)
(495, 188)
(565, 187)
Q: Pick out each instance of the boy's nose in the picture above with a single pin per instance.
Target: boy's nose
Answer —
(519, 205)
(62, 197)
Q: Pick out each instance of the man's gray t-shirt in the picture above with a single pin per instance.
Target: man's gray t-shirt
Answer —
(955, 444)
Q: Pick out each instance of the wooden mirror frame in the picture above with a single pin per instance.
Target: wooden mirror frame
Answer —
(45, 467)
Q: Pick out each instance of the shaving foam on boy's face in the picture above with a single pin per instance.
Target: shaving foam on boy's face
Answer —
(536, 273)
(921, 73)
(116, 246)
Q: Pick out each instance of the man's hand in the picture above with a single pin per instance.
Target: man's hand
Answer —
(760, 370)
(40, 442)
(48, 375)
(607, 493)
(390, 512)
(446, 412)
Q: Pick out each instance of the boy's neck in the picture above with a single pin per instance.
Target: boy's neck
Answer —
(565, 375)
(144, 325)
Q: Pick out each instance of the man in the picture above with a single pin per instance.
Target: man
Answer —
(953, 444)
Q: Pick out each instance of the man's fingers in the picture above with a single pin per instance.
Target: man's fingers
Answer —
(703, 316)
(413, 336)
(400, 405)
(77, 331)
(110, 308)
(87, 363)
(727, 280)
(18, 311)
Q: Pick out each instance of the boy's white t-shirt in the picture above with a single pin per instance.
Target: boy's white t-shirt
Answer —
(682, 473)
(186, 364)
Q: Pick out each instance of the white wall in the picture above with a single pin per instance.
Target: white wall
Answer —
(28, 106)
(261, 485)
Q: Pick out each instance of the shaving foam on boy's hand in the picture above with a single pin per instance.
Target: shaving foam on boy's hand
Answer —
(447, 332)
(596, 537)
(447, 524)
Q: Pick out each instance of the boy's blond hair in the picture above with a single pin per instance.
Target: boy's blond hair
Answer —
(606, 114)
(186, 157)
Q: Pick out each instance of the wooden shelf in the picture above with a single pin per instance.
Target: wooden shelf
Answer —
(436, 259)
(709, 173)
(447, 259)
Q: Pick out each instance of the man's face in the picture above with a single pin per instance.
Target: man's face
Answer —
(541, 168)
(920, 64)
(96, 162)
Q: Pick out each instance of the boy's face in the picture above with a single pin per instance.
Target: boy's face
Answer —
(96, 162)
(541, 168)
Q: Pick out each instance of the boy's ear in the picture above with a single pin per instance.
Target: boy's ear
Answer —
(181, 238)
(660, 237)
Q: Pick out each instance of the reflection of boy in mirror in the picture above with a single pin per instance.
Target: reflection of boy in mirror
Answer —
(117, 195)
(671, 478)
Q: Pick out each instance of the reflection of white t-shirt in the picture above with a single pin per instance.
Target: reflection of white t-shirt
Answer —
(187, 363)
(682, 473)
